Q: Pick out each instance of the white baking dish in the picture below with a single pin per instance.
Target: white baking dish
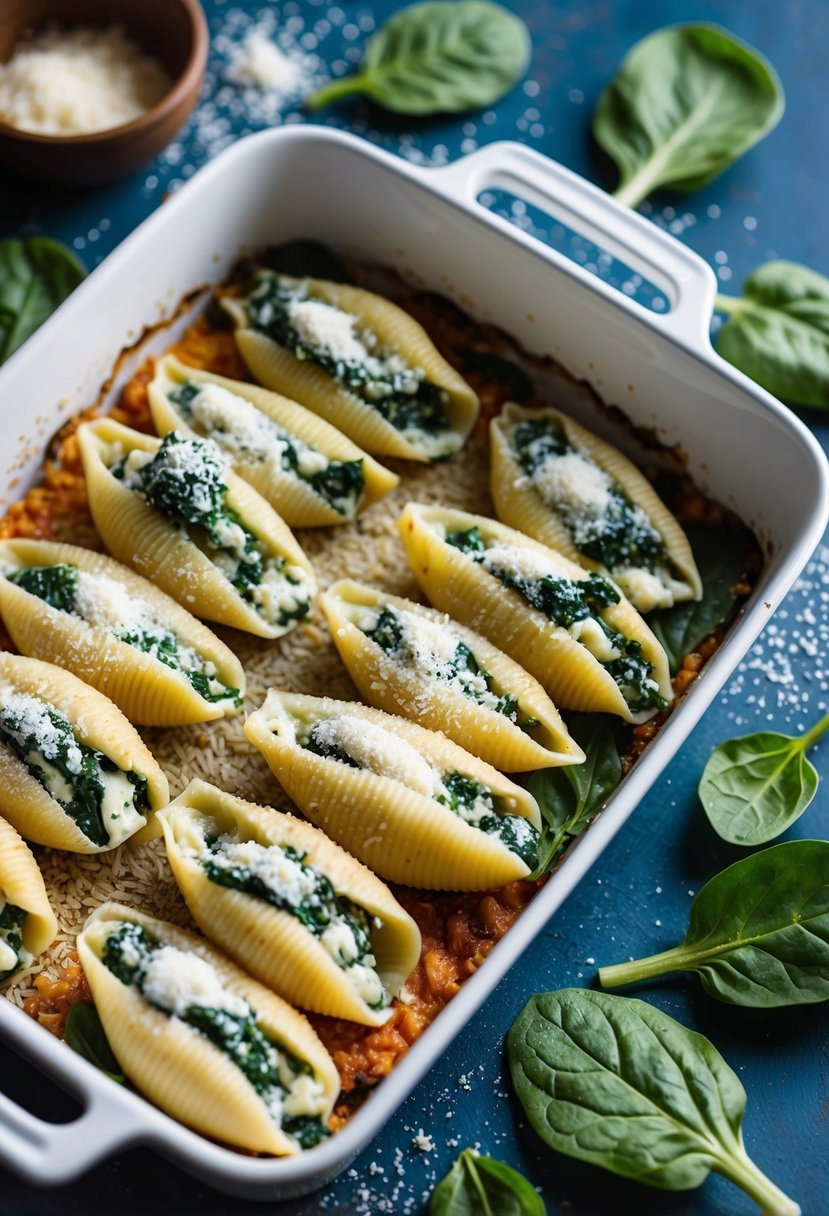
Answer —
(742, 446)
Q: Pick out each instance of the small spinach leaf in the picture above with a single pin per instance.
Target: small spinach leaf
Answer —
(570, 797)
(86, 1036)
(439, 58)
(722, 558)
(495, 367)
(619, 1084)
(480, 1186)
(304, 260)
(778, 333)
(754, 787)
(685, 104)
(36, 275)
(758, 933)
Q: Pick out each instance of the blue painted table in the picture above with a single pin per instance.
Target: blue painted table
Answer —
(636, 899)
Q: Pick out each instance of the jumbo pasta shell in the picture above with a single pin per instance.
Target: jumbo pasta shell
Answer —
(566, 668)
(152, 545)
(148, 691)
(402, 834)
(270, 943)
(520, 505)
(295, 499)
(178, 1068)
(96, 723)
(396, 331)
(21, 884)
(389, 683)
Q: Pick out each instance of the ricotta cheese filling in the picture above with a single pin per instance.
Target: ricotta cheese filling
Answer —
(436, 651)
(13, 954)
(105, 803)
(576, 605)
(284, 878)
(603, 523)
(249, 437)
(106, 604)
(185, 480)
(365, 745)
(183, 985)
(350, 352)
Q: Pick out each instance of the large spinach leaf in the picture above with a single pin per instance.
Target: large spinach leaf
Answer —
(86, 1036)
(36, 274)
(685, 104)
(755, 787)
(778, 332)
(570, 797)
(758, 934)
(619, 1084)
(439, 58)
(722, 558)
(480, 1186)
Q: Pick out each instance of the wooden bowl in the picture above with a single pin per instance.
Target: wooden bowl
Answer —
(173, 31)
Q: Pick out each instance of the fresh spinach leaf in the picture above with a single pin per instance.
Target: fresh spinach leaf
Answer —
(304, 260)
(86, 1036)
(755, 787)
(758, 933)
(439, 58)
(36, 275)
(621, 1085)
(685, 104)
(570, 797)
(495, 367)
(480, 1186)
(778, 332)
(722, 558)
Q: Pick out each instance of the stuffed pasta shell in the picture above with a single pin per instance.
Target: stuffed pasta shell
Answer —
(569, 489)
(356, 359)
(27, 922)
(306, 469)
(406, 801)
(205, 1042)
(411, 660)
(289, 905)
(74, 774)
(571, 628)
(173, 510)
(116, 631)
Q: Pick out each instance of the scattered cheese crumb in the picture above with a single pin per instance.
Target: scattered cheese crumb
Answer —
(260, 64)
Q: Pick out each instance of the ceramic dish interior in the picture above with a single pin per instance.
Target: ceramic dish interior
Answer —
(426, 225)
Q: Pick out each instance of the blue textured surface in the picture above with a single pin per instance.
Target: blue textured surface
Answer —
(636, 899)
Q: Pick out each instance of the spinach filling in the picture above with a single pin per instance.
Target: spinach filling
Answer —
(320, 906)
(42, 739)
(58, 586)
(405, 400)
(264, 1062)
(389, 633)
(11, 932)
(185, 481)
(620, 537)
(340, 483)
(565, 602)
(478, 806)
(323, 747)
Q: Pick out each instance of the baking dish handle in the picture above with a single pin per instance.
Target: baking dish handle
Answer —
(686, 280)
(59, 1152)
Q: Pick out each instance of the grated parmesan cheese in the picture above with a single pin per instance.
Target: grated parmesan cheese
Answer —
(378, 750)
(574, 482)
(260, 64)
(325, 328)
(71, 82)
(175, 980)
